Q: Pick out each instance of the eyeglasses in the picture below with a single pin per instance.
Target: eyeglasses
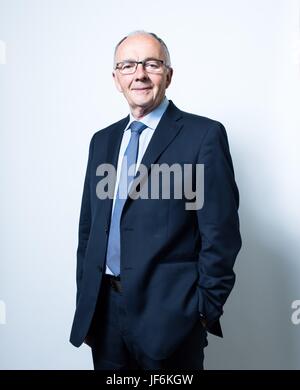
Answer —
(150, 66)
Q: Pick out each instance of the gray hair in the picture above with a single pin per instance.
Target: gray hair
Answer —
(142, 32)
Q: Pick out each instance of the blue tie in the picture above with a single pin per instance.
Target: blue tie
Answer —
(113, 247)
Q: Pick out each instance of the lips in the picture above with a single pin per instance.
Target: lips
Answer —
(141, 89)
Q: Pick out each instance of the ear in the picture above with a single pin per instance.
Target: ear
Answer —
(169, 77)
(116, 80)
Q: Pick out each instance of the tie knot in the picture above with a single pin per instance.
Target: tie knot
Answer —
(137, 127)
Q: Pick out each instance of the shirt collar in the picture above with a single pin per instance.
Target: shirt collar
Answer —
(152, 119)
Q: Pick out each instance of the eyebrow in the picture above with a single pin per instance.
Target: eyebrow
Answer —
(146, 59)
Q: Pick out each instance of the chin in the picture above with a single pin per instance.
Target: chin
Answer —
(142, 100)
(143, 103)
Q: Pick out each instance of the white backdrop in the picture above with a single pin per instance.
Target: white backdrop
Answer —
(236, 61)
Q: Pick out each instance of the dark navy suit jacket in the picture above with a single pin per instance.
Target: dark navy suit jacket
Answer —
(175, 263)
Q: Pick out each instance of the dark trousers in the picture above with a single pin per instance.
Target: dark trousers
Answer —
(114, 349)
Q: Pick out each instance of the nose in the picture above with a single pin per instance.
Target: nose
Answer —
(140, 73)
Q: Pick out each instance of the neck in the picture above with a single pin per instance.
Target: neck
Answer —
(139, 112)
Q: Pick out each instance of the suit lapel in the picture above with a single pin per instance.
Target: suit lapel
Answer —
(165, 132)
(114, 140)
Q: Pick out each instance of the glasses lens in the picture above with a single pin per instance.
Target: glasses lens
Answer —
(127, 67)
(153, 66)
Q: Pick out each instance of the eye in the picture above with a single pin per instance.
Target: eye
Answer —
(127, 65)
(152, 64)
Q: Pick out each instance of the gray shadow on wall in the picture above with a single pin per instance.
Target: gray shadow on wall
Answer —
(257, 327)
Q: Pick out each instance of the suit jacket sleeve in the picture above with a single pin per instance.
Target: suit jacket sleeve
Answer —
(218, 225)
(84, 222)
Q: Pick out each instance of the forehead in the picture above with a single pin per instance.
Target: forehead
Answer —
(139, 47)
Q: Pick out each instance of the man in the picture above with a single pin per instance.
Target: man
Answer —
(153, 274)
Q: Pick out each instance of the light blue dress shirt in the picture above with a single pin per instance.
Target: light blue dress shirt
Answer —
(151, 120)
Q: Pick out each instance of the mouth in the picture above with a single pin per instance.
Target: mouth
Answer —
(141, 89)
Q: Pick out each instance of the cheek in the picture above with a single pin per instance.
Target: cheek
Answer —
(127, 87)
(123, 85)
(161, 84)
(118, 84)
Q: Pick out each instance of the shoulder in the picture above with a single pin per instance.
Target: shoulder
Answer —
(197, 123)
(210, 133)
(201, 122)
(203, 128)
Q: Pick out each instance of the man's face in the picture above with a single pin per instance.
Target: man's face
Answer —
(143, 91)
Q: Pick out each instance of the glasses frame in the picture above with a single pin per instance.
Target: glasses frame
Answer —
(139, 62)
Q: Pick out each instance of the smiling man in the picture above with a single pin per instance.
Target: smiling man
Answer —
(142, 72)
(152, 276)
